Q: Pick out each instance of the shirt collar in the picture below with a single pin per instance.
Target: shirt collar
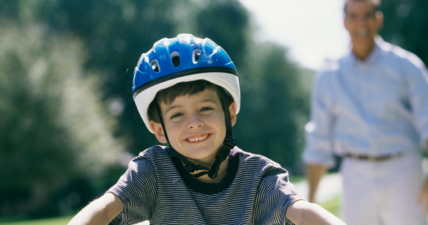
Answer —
(210, 188)
(373, 56)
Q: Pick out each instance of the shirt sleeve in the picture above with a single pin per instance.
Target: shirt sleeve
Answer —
(417, 81)
(137, 190)
(318, 149)
(274, 195)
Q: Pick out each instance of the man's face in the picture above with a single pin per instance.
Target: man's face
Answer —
(362, 23)
(195, 125)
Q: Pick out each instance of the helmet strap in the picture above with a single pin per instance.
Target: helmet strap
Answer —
(228, 144)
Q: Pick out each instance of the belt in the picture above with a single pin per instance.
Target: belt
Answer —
(373, 158)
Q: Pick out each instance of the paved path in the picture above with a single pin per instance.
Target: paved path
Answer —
(329, 187)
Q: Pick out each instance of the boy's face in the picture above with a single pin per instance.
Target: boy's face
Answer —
(195, 125)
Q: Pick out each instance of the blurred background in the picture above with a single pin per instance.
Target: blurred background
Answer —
(68, 123)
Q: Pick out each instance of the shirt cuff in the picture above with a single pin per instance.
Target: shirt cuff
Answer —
(318, 158)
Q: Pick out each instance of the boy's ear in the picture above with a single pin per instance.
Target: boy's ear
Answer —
(157, 128)
(232, 110)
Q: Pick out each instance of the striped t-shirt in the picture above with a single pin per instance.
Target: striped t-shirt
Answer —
(255, 190)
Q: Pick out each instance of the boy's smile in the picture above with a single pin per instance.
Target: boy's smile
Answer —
(197, 138)
(195, 125)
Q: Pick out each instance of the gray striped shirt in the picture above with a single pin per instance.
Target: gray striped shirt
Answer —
(255, 190)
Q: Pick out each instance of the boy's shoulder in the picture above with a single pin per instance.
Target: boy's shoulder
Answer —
(152, 153)
(155, 161)
(252, 161)
(254, 156)
(150, 156)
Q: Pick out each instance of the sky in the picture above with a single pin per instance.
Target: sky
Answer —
(312, 30)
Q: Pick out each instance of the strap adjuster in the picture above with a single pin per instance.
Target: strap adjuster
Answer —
(229, 142)
(189, 167)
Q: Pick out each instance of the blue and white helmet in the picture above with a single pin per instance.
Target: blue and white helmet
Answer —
(182, 59)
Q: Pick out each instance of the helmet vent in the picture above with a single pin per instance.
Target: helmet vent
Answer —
(175, 58)
(155, 66)
(196, 55)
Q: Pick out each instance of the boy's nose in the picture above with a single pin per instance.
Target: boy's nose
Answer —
(194, 122)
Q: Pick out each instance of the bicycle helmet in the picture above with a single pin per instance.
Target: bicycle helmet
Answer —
(183, 59)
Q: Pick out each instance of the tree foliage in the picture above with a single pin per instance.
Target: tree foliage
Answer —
(274, 105)
(54, 126)
(406, 24)
(227, 23)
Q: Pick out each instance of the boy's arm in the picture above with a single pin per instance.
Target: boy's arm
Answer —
(100, 211)
(302, 213)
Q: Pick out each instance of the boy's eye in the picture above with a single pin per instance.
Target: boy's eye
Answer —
(176, 115)
(206, 109)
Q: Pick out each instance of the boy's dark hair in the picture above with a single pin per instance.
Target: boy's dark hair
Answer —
(374, 3)
(168, 95)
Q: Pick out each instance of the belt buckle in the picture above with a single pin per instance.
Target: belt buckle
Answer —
(374, 158)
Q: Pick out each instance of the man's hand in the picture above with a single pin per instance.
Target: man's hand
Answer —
(423, 195)
(314, 174)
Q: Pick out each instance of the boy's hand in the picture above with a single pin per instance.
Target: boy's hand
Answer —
(423, 195)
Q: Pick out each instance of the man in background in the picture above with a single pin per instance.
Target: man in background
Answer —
(371, 107)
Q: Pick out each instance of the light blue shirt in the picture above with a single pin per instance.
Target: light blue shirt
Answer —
(374, 107)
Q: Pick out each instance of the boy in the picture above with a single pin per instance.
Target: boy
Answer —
(187, 92)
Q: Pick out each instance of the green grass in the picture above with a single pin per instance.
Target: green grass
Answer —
(51, 221)
(297, 178)
(332, 205)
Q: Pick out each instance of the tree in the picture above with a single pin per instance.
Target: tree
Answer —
(115, 34)
(275, 105)
(54, 127)
(227, 23)
(406, 23)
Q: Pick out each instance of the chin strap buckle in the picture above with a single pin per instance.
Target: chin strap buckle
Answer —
(213, 172)
(229, 142)
(190, 167)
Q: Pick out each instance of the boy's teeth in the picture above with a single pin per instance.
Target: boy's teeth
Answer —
(198, 139)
